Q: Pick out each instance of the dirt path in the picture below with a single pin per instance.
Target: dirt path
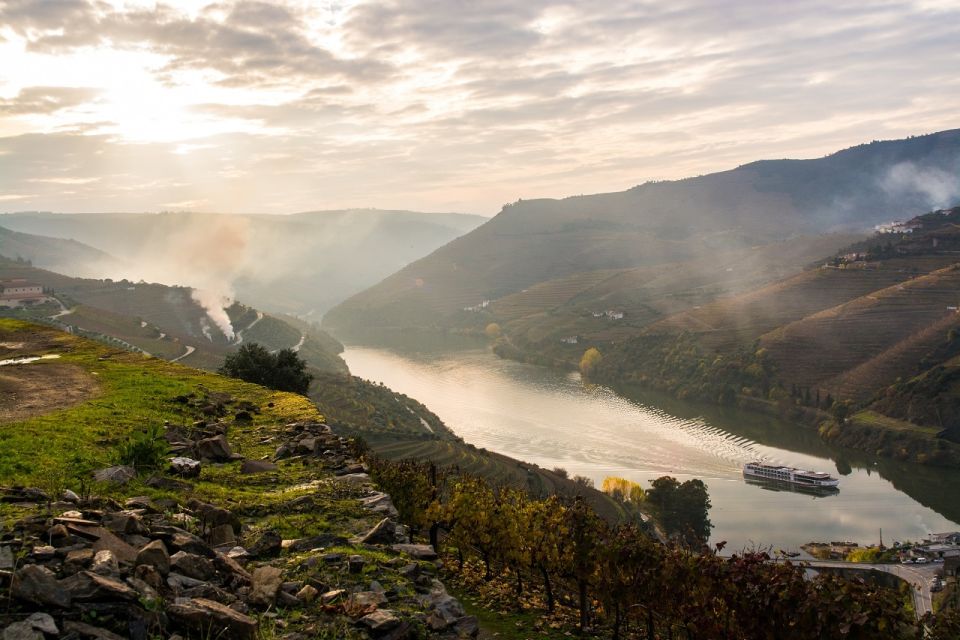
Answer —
(29, 390)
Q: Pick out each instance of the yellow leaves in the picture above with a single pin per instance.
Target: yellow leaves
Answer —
(591, 358)
(623, 489)
(493, 331)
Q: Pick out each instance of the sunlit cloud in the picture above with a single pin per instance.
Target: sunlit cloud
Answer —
(284, 106)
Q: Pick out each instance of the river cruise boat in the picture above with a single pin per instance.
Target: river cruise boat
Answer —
(789, 475)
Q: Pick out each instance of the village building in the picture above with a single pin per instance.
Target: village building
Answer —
(19, 291)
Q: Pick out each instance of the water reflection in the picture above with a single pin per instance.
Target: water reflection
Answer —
(550, 418)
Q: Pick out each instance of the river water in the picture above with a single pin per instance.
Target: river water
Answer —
(553, 419)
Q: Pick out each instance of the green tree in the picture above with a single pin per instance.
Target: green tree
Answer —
(283, 370)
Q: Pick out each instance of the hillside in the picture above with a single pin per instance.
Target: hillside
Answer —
(300, 264)
(535, 241)
(871, 334)
(55, 253)
(167, 321)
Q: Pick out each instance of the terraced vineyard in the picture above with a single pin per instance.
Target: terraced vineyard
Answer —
(823, 346)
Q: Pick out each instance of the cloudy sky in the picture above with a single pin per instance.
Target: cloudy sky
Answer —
(440, 105)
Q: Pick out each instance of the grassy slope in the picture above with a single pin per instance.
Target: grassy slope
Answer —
(136, 391)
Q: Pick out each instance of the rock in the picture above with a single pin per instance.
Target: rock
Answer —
(6, 558)
(351, 470)
(222, 535)
(192, 566)
(267, 545)
(368, 598)
(180, 582)
(87, 586)
(38, 585)
(257, 466)
(43, 553)
(78, 560)
(283, 451)
(355, 564)
(418, 551)
(308, 594)
(105, 563)
(125, 523)
(380, 621)
(214, 516)
(468, 627)
(70, 496)
(155, 555)
(184, 541)
(333, 595)
(315, 542)
(21, 631)
(81, 629)
(120, 474)
(167, 484)
(121, 550)
(306, 445)
(383, 533)
(148, 575)
(43, 622)
(216, 448)
(358, 478)
(266, 583)
(212, 619)
(227, 565)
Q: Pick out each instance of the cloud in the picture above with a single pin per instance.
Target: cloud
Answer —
(46, 100)
(433, 104)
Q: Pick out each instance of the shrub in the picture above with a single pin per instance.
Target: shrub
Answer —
(146, 449)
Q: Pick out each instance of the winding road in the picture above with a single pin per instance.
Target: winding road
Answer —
(918, 576)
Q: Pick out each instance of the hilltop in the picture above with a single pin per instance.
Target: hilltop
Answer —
(659, 224)
(55, 253)
(299, 264)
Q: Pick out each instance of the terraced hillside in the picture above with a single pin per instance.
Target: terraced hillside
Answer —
(534, 241)
(165, 321)
(893, 326)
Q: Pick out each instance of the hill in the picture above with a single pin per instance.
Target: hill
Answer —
(870, 335)
(655, 224)
(300, 264)
(55, 253)
(167, 321)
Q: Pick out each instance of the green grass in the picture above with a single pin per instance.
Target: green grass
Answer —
(135, 391)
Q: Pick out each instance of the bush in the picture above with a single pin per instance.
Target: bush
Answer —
(283, 370)
(145, 450)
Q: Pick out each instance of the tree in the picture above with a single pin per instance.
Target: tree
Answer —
(283, 371)
(681, 509)
(493, 331)
(591, 358)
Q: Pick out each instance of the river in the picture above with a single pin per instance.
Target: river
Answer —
(553, 419)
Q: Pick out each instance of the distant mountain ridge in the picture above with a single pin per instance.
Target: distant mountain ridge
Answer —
(300, 264)
(532, 241)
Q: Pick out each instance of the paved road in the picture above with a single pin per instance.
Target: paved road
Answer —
(918, 575)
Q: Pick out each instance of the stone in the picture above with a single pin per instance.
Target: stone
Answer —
(267, 545)
(192, 566)
(227, 565)
(6, 558)
(315, 542)
(257, 466)
(180, 582)
(380, 621)
(21, 631)
(184, 541)
(43, 553)
(120, 474)
(125, 523)
(468, 627)
(123, 552)
(333, 595)
(87, 586)
(71, 496)
(38, 585)
(214, 516)
(417, 551)
(105, 563)
(78, 560)
(43, 622)
(355, 564)
(212, 619)
(221, 535)
(155, 555)
(149, 575)
(81, 629)
(216, 448)
(357, 478)
(266, 583)
(368, 598)
(382, 533)
(351, 470)
(306, 445)
(308, 594)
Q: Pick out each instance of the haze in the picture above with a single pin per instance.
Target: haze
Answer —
(281, 107)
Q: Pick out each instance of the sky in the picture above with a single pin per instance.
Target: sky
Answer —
(445, 105)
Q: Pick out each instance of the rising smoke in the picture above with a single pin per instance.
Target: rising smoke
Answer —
(940, 188)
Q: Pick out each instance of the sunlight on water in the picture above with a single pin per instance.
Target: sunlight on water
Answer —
(552, 419)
